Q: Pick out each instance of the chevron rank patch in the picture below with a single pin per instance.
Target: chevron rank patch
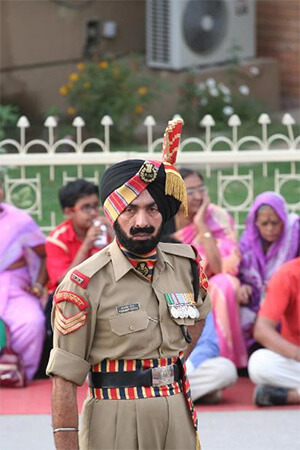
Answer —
(67, 296)
(80, 279)
(67, 325)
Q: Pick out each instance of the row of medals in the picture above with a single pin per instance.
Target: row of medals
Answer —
(183, 310)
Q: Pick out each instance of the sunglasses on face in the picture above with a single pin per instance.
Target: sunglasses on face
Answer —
(193, 190)
(87, 208)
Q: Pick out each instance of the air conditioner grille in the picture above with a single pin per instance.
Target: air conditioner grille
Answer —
(159, 16)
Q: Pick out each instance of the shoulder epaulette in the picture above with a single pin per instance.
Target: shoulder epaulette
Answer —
(184, 250)
(82, 273)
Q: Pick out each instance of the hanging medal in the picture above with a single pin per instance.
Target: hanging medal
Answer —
(182, 305)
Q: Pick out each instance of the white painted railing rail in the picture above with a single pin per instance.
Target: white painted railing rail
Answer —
(287, 146)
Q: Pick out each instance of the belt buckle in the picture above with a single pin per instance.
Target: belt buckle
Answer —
(163, 375)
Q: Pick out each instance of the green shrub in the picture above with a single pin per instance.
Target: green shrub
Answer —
(196, 99)
(9, 115)
(113, 87)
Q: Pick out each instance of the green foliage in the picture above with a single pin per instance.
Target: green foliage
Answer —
(196, 99)
(23, 197)
(9, 115)
(109, 87)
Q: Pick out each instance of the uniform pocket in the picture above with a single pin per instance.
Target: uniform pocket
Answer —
(128, 323)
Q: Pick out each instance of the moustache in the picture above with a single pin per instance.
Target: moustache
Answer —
(146, 230)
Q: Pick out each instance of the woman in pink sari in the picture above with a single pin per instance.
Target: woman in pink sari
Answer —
(211, 230)
(22, 275)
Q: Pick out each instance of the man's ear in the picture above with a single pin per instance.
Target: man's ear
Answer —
(68, 212)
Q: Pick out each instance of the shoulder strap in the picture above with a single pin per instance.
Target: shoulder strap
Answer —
(93, 264)
(195, 280)
(184, 250)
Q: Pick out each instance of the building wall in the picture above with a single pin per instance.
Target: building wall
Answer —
(278, 36)
(42, 40)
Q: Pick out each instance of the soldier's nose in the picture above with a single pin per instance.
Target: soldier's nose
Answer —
(141, 220)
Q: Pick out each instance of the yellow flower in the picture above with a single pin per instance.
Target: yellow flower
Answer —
(87, 85)
(81, 66)
(142, 90)
(74, 77)
(71, 111)
(139, 109)
(63, 91)
(103, 64)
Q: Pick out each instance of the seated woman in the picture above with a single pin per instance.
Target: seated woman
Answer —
(271, 237)
(211, 230)
(22, 275)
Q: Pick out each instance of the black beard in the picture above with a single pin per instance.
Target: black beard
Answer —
(137, 247)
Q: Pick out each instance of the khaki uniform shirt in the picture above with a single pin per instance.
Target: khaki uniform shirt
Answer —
(117, 313)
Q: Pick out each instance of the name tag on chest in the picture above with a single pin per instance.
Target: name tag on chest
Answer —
(128, 308)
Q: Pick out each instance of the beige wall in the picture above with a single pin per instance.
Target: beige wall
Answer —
(41, 40)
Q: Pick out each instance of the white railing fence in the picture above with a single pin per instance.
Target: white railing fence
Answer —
(206, 154)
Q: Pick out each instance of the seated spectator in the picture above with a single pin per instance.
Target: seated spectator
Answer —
(22, 276)
(208, 372)
(74, 240)
(271, 238)
(211, 230)
(276, 368)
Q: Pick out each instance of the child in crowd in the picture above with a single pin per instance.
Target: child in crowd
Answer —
(75, 239)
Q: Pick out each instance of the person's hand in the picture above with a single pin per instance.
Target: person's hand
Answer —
(91, 235)
(110, 231)
(243, 294)
(200, 215)
(36, 289)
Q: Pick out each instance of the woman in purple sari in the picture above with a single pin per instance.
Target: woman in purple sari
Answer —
(271, 237)
(22, 275)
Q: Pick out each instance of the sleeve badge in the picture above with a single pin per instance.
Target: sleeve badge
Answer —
(66, 325)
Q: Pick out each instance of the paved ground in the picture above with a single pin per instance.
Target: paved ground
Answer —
(241, 430)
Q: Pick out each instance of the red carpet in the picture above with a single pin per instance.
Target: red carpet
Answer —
(36, 398)
(237, 397)
(33, 399)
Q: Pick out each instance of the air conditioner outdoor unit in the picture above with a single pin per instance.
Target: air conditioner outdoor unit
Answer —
(195, 33)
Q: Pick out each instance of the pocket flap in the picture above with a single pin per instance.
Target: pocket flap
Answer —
(130, 322)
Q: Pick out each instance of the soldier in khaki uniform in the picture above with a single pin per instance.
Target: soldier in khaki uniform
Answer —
(124, 317)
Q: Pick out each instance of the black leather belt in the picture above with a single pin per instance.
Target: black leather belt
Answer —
(158, 376)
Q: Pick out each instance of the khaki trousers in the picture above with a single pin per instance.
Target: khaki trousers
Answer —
(160, 423)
